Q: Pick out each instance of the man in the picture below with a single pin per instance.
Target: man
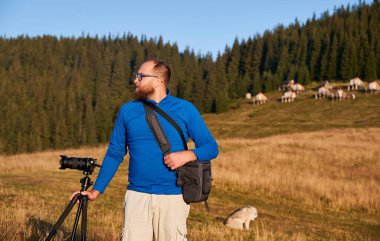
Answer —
(154, 205)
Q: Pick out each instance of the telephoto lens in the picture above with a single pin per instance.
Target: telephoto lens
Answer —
(85, 164)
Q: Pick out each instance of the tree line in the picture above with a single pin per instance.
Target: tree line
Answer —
(60, 92)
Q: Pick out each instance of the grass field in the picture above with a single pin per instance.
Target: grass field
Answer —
(311, 168)
(303, 115)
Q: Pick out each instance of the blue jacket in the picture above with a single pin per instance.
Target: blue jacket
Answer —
(147, 171)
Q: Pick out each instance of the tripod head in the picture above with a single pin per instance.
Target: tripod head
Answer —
(86, 182)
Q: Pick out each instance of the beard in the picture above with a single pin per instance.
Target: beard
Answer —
(142, 92)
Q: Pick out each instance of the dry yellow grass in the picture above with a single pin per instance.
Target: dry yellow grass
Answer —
(338, 167)
(306, 186)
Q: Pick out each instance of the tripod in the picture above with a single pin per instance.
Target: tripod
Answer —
(82, 208)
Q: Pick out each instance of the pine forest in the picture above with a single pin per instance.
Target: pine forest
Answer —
(60, 92)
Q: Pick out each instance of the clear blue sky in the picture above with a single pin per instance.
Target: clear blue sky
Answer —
(202, 25)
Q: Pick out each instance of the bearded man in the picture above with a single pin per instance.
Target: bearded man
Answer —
(154, 206)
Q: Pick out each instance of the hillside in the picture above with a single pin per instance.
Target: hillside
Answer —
(310, 167)
(60, 92)
(305, 114)
(321, 185)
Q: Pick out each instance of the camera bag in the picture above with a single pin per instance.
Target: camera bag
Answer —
(194, 177)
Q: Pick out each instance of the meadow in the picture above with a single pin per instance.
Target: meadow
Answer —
(311, 168)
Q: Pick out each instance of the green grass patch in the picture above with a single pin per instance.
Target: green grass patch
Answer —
(305, 114)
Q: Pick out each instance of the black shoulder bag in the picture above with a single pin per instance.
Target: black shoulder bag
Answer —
(194, 177)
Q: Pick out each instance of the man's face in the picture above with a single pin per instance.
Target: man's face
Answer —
(145, 86)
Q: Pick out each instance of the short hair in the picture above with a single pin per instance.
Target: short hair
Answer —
(160, 68)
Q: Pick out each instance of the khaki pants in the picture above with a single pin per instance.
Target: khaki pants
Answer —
(151, 215)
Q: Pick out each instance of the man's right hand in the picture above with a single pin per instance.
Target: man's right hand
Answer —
(91, 195)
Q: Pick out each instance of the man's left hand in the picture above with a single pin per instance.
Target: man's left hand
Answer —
(177, 159)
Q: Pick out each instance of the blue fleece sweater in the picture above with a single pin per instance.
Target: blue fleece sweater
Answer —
(147, 171)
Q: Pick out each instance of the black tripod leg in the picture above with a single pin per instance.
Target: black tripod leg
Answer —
(62, 217)
(75, 227)
(84, 217)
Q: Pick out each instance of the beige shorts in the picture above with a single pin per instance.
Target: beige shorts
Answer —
(148, 216)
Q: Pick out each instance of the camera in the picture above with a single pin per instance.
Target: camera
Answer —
(85, 164)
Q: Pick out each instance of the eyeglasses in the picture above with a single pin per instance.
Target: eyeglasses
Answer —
(140, 76)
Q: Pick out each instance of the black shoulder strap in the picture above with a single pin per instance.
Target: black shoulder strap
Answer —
(157, 131)
(153, 123)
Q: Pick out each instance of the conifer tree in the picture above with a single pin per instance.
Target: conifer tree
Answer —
(233, 64)
(221, 103)
(332, 60)
(209, 75)
(370, 73)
